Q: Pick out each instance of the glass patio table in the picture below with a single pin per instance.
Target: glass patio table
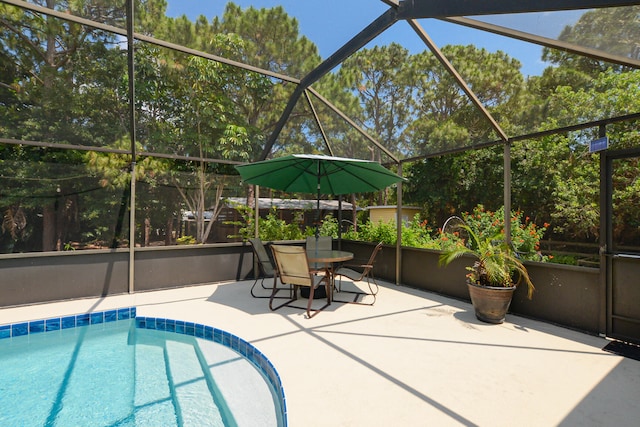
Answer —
(327, 257)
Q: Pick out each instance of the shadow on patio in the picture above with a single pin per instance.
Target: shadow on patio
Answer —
(416, 358)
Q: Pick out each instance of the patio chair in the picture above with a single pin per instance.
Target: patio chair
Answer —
(265, 267)
(358, 273)
(292, 268)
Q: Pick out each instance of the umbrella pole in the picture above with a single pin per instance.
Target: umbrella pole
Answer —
(318, 204)
(340, 222)
(256, 198)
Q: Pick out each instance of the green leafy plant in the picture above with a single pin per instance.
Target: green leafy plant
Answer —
(381, 231)
(525, 234)
(186, 240)
(328, 227)
(564, 259)
(270, 228)
(273, 228)
(417, 233)
(496, 265)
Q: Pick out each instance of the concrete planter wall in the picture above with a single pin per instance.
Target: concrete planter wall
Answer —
(172, 266)
(565, 295)
(45, 277)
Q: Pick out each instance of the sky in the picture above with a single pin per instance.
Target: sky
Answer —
(329, 24)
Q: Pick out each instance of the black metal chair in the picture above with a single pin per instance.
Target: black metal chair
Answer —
(265, 270)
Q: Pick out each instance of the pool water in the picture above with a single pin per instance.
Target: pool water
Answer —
(117, 374)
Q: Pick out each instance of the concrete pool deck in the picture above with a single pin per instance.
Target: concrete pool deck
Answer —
(412, 359)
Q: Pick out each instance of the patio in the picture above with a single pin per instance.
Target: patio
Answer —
(414, 358)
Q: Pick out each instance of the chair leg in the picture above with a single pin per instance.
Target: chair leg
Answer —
(371, 277)
(253, 293)
(368, 277)
(293, 295)
(328, 286)
(310, 311)
(311, 289)
(253, 286)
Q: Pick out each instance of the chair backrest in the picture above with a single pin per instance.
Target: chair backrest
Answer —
(366, 271)
(263, 257)
(372, 258)
(321, 243)
(292, 265)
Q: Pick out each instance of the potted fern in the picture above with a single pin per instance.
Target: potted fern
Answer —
(494, 275)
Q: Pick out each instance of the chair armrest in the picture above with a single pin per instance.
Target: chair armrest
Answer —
(357, 265)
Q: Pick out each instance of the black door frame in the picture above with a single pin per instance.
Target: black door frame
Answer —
(607, 250)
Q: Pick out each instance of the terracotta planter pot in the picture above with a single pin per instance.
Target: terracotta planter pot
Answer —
(490, 303)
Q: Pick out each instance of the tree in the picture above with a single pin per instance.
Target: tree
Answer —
(197, 119)
(444, 118)
(268, 39)
(379, 77)
(52, 85)
(577, 207)
(612, 30)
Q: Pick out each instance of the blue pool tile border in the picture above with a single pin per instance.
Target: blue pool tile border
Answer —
(197, 330)
(65, 322)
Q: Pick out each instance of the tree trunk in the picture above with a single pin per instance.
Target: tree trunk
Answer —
(59, 215)
(251, 196)
(48, 228)
(147, 232)
(168, 235)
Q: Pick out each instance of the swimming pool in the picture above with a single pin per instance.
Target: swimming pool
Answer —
(113, 368)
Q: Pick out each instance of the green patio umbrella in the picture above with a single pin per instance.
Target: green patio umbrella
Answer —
(315, 174)
(307, 173)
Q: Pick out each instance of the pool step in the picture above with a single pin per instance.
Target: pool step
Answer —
(173, 386)
(152, 398)
(192, 393)
(241, 391)
(202, 383)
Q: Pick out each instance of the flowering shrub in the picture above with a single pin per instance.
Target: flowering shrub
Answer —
(525, 234)
(447, 241)
(417, 233)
